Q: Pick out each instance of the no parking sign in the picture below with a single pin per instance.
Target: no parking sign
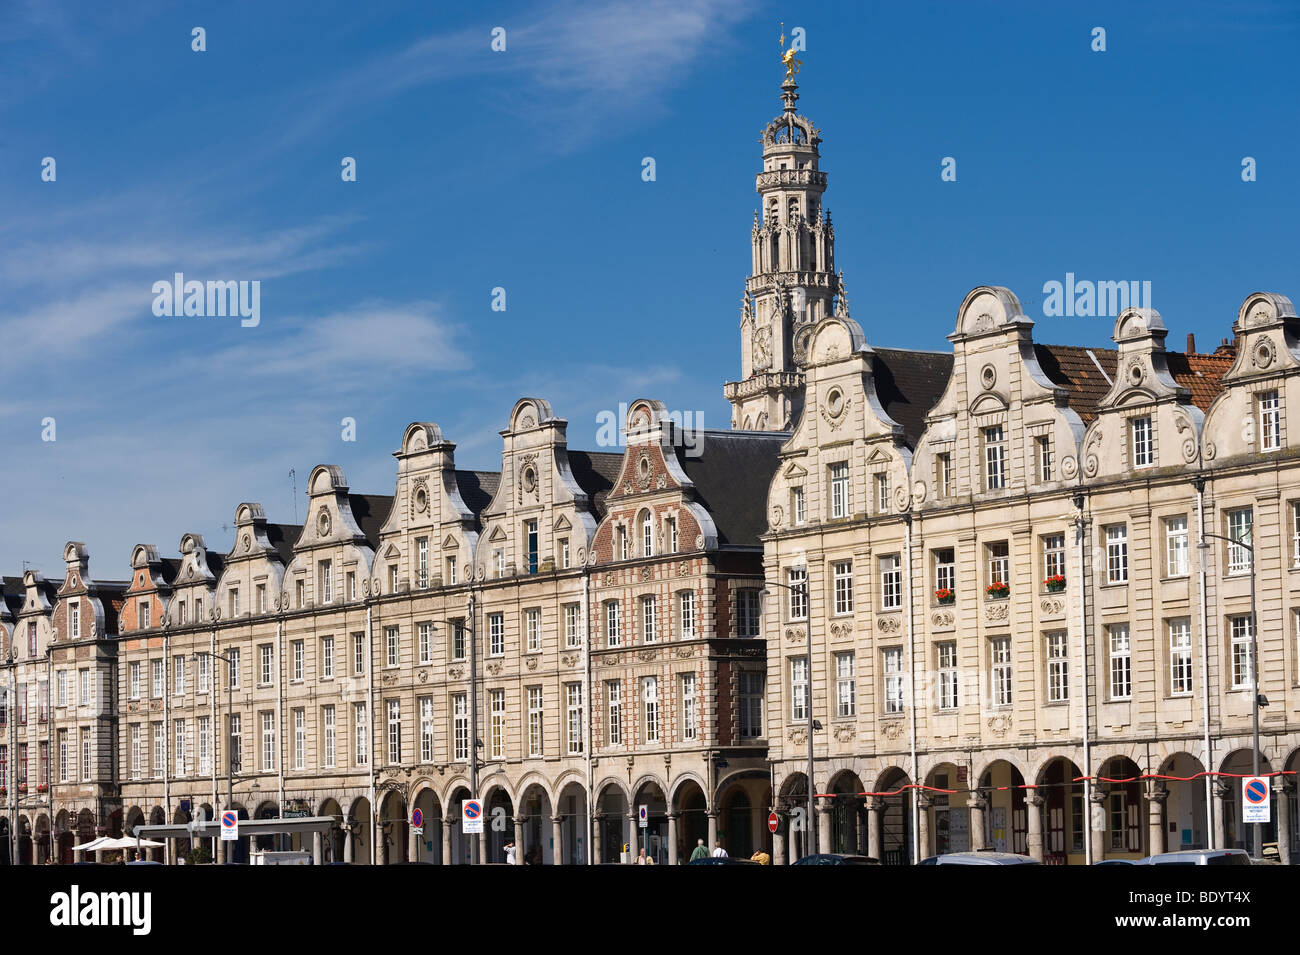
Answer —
(471, 819)
(1255, 804)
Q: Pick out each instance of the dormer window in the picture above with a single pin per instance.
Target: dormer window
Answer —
(670, 525)
(422, 562)
(145, 613)
(300, 592)
(74, 619)
(531, 545)
(1143, 449)
(180, 613)
(392, 578)
(234, 601)
(995, 450)
(1270, 422)
(647, 535)
(326, 581)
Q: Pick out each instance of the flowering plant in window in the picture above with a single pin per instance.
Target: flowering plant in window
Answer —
(997, 589)
(43, 787)
(22, 787)
(945, 595)
(1055, 584)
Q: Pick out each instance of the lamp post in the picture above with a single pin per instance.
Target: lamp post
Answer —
(1254, 666)
(812, 817)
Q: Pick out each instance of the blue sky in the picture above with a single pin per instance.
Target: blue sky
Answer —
(522, 170)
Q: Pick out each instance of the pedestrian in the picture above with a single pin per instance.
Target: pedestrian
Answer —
(718, 851)
(643, 859)
(510, 853)
(761, 857)
(699, 852)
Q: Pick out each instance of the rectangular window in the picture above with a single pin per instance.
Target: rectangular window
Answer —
(686, 605)
(690, 704)
(261, 598)
(268, 741)
(1117, 554)
(891, 582)
(1270, 422)
(178, 675)
(893, 679)
(1295, 533)
(198, 609)
(31, 638)
(650, 695)
(137, 750)
(266, 671)
(946, 664)
(842, 576)
(1043, 451)
(999, 557)
(358, 653)
(797, 505)
(799, 688)
(43, 750)
(394, 732)
(86, 766)
(748, 618)
(204, 666)
(233, 596)
(300, 592)
(330, 755)
(564, 553)
(234, 667)
(362, 745)
(392, 578)
(1180, 656)
(572, 630)
(624, 548)
(392, 646)
(882, 493)
(182, 769)
(235, 724)
(1176, 549)
(613, 633)
(459, 728)
(846, 685)
(533, 629)
(649, 619)
(499, 556)
(1053, 556)
(945, 570)
(670, 526)
(1143, 450)
(994, 459)
(64, 755)
(535, 716)
(496, 634)
(298, 658)
(326, 579)
(156, 673)
(573, 710)
(1243, 662)
(647, 534)
(145, 609)
(1058, 667)
(422, 562)
(424, 640)
(62, 678)
(497, 724)
(1121, 662)
(74, 619)
(327, 657)
(1000, 655)
(351, 579)
(299, 738)
(451, 569)
(797, 580)
(752, 690)
(614, 703)
(840, 489)
(943, 475)
(1240, 523)
(205, 745)
(531, 545)
(426, 729)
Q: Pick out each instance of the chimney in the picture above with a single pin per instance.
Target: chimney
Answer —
(1191, 344)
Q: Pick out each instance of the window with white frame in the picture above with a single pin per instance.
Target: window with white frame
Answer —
(891, 582)
(613, 624)
(624, 547)
(261, 598)
(1043, 451)
(533, 629)
(535, 717)
(797, 505)
(156, 668)
(63, 756)
(329, 729)
(86, 765)
(614, 704)
(564, 553)
(995, 449)
(133, 680)
(1295, 533)
(1058, 667)
(268, 741)
(235, 739)
(459, 728)
(1143, 449)
(160, 750)
(1240, 521)
(1243, 658)
(204, 667)
(393, 646)
(842, 577)
(799, 688)
(1053, 556)
(1117, 554)
(233, 601)
(1180, 656)
(299, 738)
(946, 666)
(573, 712)
(690, 705)
(300, 592)
(298, 661)
(451, 569)
(426, 729)
(422, 562)
(649, 619)
(1121, 662)
(424, 641)
(1270, 421)
(796, 579)
(145, 610)
(233, 655)
(943, 474)
(394, 732)
(496, 634)
(205, 745)
(62, 680)
(361, 746)
(1000, 659)
(840, 489)
(686, 614)
(752, 690)
(457, 641)
(748, 618)
(650, 699)
(266, 671)
(1176, 546)
(497, 724)
(326, 581)
(647, 534)
(846, 684)
(182, 762)
(670, 534)
(74, 619)
(393, 578)
(178, 675)
(572, 630)
(945, 569)
(137, 751)
(882, 493)
(327, 657)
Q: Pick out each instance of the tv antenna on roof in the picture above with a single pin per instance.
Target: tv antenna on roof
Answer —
(293, 478)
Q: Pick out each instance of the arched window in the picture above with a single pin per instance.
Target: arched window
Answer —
(647, 535)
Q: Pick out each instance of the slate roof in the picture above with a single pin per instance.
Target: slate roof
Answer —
(282, 537)
(170, 568)
(370, 511)
(924, 375)
(731, 471)
(596, 472)
(476, 490)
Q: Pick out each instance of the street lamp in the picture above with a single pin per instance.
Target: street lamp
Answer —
(1254, 664)
(802, 588)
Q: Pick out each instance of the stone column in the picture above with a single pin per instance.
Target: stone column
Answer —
(633, 837)
(598, 823)
(347, 844)
(923, 825)
(778, 837)
(875, 810)
(1034, 829)
(1097, 814)
(979, 804)
(557, 840)
(317, 848)
(860, 827)
(446, 841)
(1156, 819)
(381, 855)
(520, 853)
(483, 846)
(1283, 791)
(672, 838)
(823, 809)
(412, 844)
(713, 829)
(1221, 792)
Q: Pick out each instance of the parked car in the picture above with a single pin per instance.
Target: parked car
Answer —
(980, 858)
(722, 860)
(1199, 857)
(1116, 862)
(837, 858)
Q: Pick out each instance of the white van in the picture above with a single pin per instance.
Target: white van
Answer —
(266, 857)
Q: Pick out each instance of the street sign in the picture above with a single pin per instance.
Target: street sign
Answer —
(772, 822)
(1254, 803)
(417, 819)
(471, 816)
(417, 830)
(229, 826)
(643, 816)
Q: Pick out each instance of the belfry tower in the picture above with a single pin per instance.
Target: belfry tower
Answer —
(793, 284)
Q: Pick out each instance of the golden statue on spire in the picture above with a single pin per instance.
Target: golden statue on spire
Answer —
(787, 57)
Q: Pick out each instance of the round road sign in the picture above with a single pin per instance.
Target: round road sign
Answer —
(417, 818)
(772, 822)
